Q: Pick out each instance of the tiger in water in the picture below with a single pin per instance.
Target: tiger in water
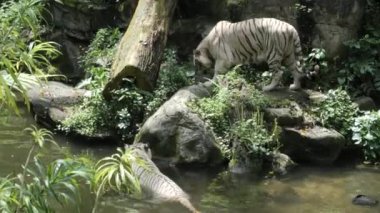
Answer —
(252, 41)
(154, 183)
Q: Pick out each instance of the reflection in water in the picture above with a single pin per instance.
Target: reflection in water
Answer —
(306, 189)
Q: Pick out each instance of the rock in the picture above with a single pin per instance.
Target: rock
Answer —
(365, 103)
(80, 19)
(281, 163)
(316, 145)
(243, 162)
(175, 132)
(243, 9)
(315, 96)
(335, 23)
(52, 102)
(364, 200)
(286, 94)
(284, 116)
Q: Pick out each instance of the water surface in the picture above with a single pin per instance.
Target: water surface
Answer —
(305, 189)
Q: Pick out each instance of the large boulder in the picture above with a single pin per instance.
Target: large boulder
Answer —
(365, 103)
(79, 19)
(68, 62)
(281, 163)
(291, 116)
(175, 132)
(316, 145)
(51, 101)
(335, 23)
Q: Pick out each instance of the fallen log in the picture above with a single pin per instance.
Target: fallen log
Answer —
(140, 50)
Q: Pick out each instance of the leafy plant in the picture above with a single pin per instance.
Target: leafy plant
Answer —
(251, 134)
(316, 62)
(302, 8)
(122, 114)
(98, 58)
(337, 111)
(59, 181)
(233, 115)
(115, 173)
(366, 133)
(360, 71)
(22, 51)
(172, 77)
(90, 118)
(39, 185)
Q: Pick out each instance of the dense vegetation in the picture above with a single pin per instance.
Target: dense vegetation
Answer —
(41, 187)
(129, 106)
(22, 51)
(234, 112)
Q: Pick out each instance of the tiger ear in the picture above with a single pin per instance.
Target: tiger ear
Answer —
(197, 52)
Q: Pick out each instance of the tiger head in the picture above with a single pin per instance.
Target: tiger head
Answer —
(202, 59)
(141, 149)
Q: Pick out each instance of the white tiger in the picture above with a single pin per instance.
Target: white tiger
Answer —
(252, 41)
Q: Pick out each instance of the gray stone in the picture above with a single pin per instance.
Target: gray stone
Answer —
(315, 96)
(244, 162)
(284, 116)
(285, 93)
(51, 101)
(316, 145)
(365, 103)
(79, 19)
(281, 163)
(245, 165)
(175, 132)
(335, 23)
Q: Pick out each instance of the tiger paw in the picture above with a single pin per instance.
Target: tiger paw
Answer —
(268, 88)
(294, 87)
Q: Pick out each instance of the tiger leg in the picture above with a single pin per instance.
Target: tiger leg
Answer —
(221, 67)
(297, 75)
(275, 68)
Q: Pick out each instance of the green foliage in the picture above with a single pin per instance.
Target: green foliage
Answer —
(58, 181)
(172, 77)
(40, 136)
(115, 173)
(337, 111)
(360, 72)
(366, 133)
(8, 197)
(90, 118)
(253, 137)
(316, 59)
(233, 115)
(232, 93)
(98, 58)
(40, 185)
(20, 47)
(122, 114)
(129, 104)
(253, 75)
(302, 8)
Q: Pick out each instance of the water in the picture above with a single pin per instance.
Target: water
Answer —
(306, 189)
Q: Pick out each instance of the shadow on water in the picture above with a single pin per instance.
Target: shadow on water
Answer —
(305, 189)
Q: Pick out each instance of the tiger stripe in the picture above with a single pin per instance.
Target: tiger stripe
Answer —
(154, 183)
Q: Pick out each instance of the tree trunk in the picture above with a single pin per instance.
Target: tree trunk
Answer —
(140, 50)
